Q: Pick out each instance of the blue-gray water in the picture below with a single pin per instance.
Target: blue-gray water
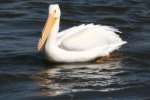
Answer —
(26, 75)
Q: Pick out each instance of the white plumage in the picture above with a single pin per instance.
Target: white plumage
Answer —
(80, 43)
(89, 36)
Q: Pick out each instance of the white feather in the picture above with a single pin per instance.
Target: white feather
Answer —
(81, 43)
(89, 36)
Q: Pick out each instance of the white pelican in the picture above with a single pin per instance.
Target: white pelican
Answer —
(77, 44)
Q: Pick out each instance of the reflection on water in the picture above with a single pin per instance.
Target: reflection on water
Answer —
(68, 78)
(24, 74)
(120, 77)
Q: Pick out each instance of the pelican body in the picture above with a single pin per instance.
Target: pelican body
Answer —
(79, 43)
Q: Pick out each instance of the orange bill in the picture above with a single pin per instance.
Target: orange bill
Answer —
(46, 31)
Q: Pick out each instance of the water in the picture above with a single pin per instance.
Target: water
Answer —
(26, 75)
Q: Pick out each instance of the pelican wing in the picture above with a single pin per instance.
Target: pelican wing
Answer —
(89, 36)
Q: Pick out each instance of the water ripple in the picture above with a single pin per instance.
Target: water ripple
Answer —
(25, 74)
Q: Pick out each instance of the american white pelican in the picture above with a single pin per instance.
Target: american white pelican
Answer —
(77, 44)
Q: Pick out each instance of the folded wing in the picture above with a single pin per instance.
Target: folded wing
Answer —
(89, 36)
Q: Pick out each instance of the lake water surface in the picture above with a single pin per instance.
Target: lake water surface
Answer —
(26, 75)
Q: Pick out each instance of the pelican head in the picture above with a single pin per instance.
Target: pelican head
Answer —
(54, 15)
(54, 10)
